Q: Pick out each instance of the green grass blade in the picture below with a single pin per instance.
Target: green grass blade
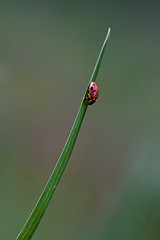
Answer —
(98, 63)
(43, 202)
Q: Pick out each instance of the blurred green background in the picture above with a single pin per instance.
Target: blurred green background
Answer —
(111, 187)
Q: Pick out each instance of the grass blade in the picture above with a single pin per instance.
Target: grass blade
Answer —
(43, 202)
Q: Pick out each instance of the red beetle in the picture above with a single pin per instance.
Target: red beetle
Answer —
(92, 93)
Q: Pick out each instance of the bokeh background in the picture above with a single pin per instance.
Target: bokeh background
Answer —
(111, 187)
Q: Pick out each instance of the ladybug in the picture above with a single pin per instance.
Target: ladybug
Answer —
(92, 93)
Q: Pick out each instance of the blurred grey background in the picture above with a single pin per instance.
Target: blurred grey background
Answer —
(111, 187)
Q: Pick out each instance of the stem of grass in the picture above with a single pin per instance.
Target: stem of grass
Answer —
(45, 198)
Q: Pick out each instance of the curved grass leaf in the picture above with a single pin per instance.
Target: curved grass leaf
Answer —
(43, 202)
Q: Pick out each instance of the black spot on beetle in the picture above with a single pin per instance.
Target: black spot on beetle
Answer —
(91, 88)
